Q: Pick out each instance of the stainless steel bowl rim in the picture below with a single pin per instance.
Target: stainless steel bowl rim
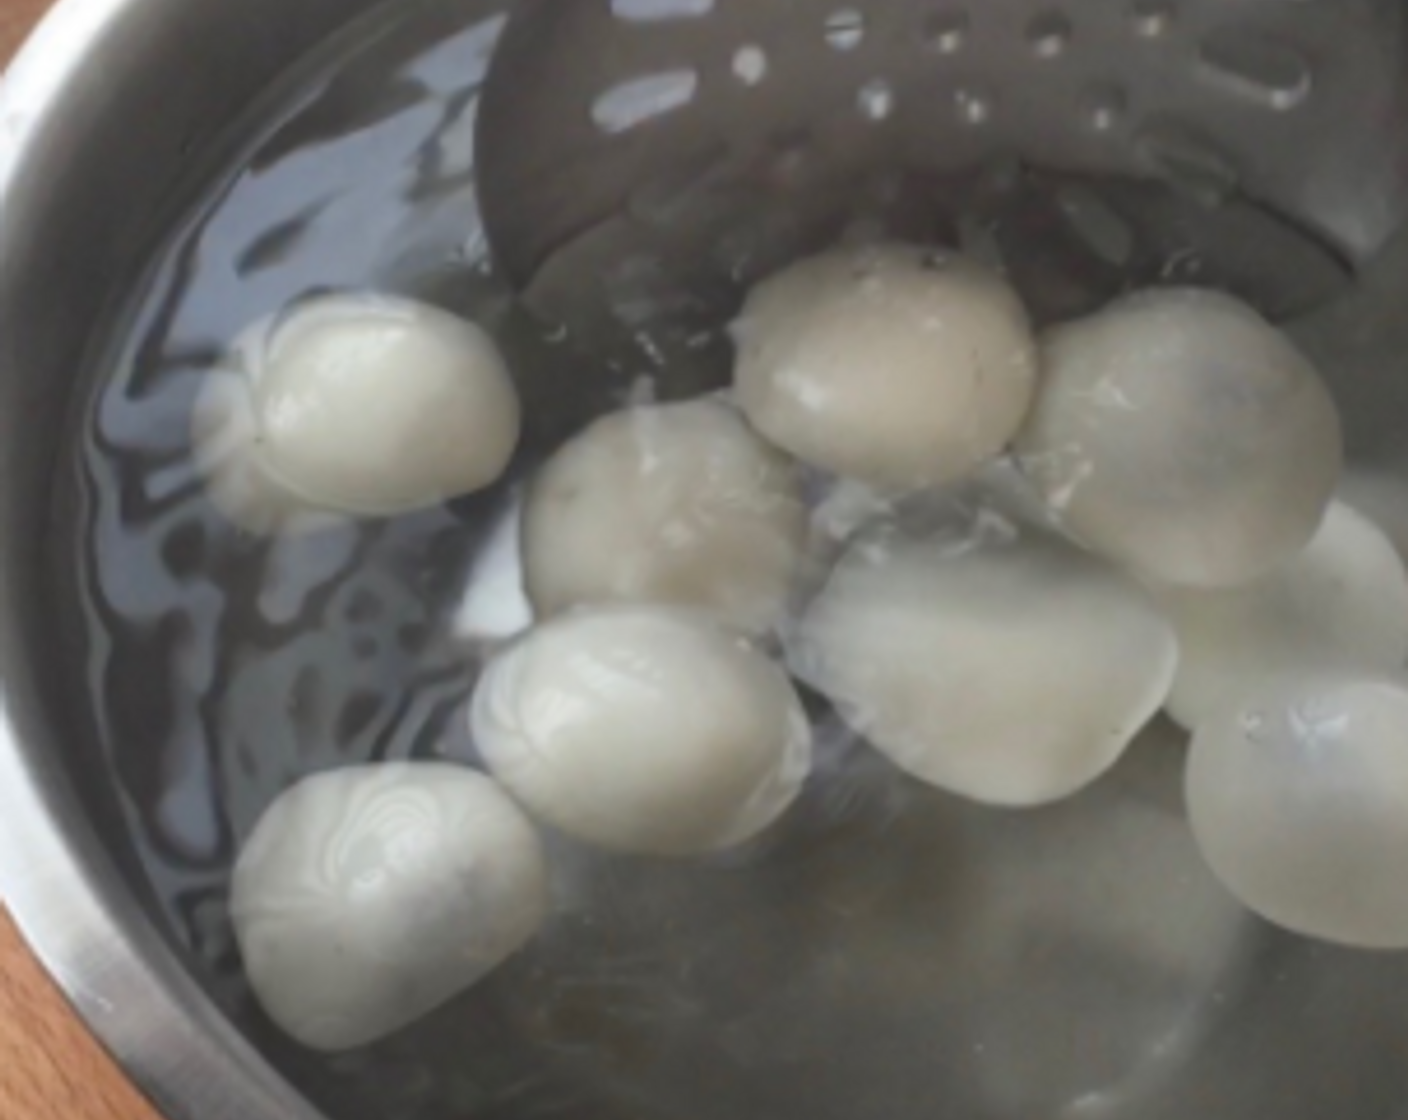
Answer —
(122, 980)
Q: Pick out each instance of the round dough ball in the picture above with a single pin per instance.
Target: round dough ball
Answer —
(1180, 435)
(1298, 798)
(889, 364)
(999, 664)
(368, 897)
(842, 508)
(1342, 604)
(357, 404)
(675, 504)
(643, 730)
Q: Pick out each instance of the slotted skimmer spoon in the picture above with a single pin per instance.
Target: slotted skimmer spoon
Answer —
(642, 161)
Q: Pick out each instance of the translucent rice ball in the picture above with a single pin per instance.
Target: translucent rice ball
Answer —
(645, 730)
(1183, 437)
(841, 508)
(1299, 800)
(889, 364)
(363, 405)
(368, 897)
(1342, 604)
(676, 504)
(1000, 664)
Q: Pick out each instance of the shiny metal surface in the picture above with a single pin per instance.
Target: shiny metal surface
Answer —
(1254, 100)
(98, 116)
(1258, 142)
(1075, 964)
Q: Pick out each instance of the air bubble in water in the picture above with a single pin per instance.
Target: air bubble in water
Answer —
(750, 64)
(946, 31)
(974, 107)
(1104, 107)
(876, 100)
(1048, 34)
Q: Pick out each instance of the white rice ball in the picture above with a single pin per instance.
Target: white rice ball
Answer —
(643, 730)
(368, 897)
(1298, 797)
(1182, 436)
(364, 405)
(889, 364)
(1000, 664)
(677, 504)
(1342, 604)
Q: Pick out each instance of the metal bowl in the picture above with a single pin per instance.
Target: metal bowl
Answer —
(103, 109)
(1134, 988)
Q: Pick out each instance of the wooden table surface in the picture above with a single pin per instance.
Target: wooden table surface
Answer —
(16, 18)
(50, 1069)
